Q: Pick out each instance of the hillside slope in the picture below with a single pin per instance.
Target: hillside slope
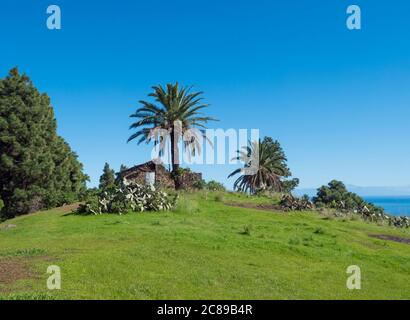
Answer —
(204, 250)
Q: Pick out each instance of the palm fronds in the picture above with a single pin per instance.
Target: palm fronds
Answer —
(264, 167)
(176, 113)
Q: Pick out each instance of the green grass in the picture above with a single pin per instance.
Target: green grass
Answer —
(204, 250)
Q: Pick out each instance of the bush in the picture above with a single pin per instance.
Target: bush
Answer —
(246, 230)
(91, 206)
(89, 194)
(128, 197)
(219, 197)
(335, 196)
(289, 185)
(271, 194)
(319, 230)
(215, 186)
(211, 185)
(199, 184)
(291, 203)
(399, 222)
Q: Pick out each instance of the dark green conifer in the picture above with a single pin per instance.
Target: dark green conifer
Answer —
(107, 179)
(38, 169)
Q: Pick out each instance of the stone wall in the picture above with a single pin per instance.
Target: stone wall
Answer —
(188, 179)
(163, 178)
(136, 177)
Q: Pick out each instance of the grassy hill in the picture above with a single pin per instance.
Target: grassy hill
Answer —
(203, 250)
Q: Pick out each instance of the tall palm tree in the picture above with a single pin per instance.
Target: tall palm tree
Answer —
(264, 167)
(176, 112)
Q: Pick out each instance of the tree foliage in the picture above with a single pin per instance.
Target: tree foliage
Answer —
(176, 112)
(37, 167)
(335, 195)
(215, 186)
(107, 179)
(289, 185)
(118, 175)
(269, 171)
(211, 185)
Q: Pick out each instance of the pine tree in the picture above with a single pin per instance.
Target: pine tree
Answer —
(37, 167)
(107, 179)
(118, 175)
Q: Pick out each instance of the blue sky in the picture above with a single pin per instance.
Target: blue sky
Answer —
(337, 100)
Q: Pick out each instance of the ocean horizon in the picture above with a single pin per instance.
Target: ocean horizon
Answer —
(395, 205)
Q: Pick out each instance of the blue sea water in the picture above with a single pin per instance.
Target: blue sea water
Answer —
(398, 206)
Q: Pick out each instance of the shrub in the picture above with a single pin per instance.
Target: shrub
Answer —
(319, 230)
(211, 185)
(219, 197)
(246, 230)
(336, 196)
(176, 174)
(91, 206)
(215, 186)
(128, 197)
(346, 204)
(199, 184)
(89, 193)
(289, 185)
(291, 203)
(399, 222)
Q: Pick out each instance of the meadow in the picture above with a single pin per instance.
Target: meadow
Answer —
(204, 249)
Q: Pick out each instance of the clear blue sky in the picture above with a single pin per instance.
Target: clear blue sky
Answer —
(337, 100)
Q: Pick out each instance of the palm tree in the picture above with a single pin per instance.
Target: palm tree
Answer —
(264, 167)
(175, 114)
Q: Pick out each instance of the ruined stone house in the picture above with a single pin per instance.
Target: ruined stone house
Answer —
(153, 173)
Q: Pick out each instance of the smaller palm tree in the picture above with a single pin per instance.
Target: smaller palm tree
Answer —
(264, 167)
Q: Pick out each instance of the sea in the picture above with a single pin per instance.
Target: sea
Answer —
(398, 206)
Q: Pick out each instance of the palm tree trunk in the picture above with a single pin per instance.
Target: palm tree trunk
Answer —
(175, 160)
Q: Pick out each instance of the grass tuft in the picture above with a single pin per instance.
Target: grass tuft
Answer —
(29, 252)
(246, 230)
